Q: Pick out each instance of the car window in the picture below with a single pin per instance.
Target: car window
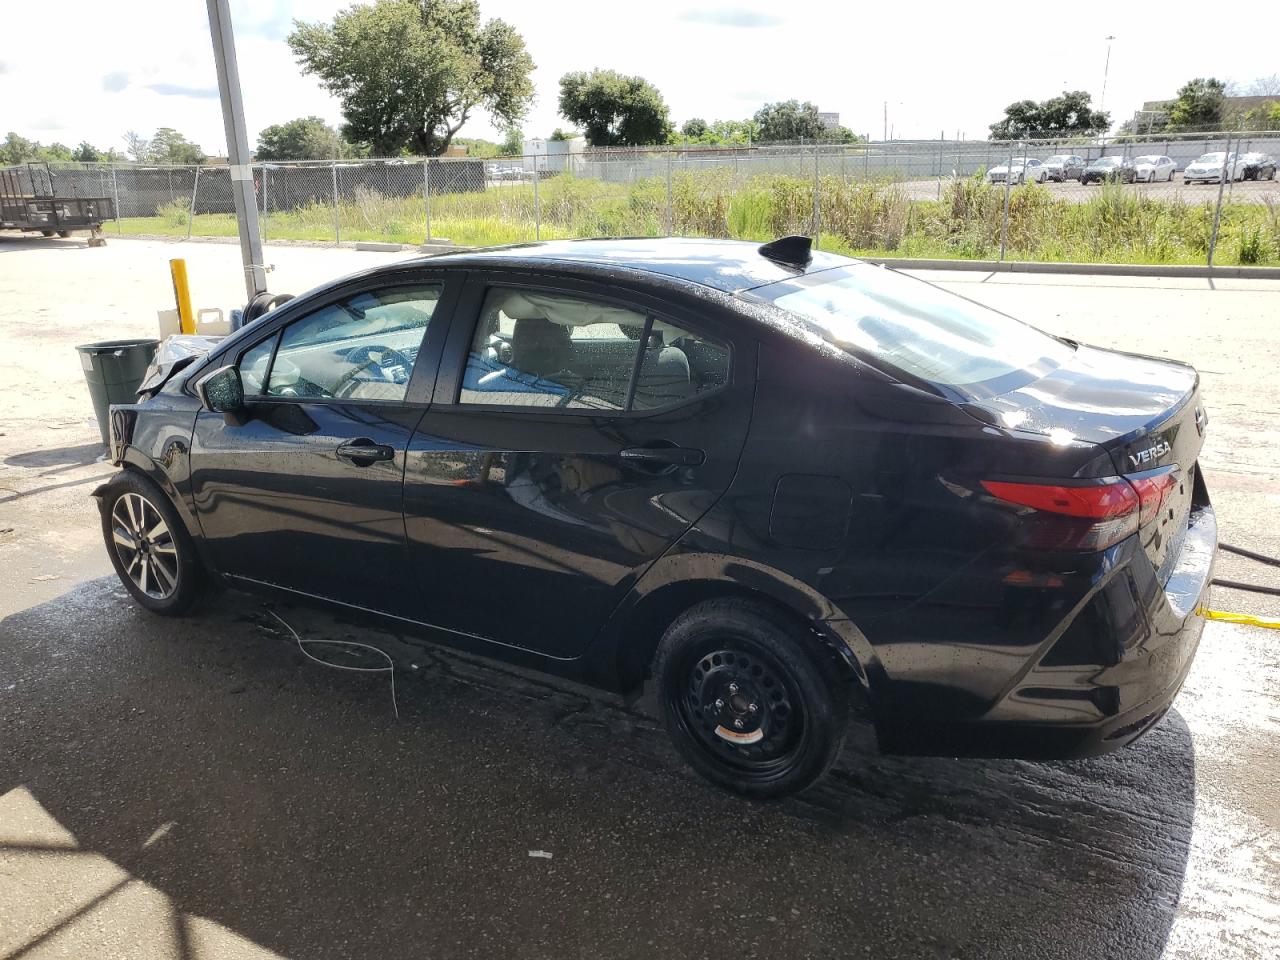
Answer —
(360, 348)
(904, 325)
(534, 348)
(254, 363)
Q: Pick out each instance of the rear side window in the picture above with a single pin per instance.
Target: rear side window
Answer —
(533, 348)
(906, 326)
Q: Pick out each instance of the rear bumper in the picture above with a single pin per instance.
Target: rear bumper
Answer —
(1104, 681)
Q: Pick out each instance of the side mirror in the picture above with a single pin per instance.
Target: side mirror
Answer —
(222, 391)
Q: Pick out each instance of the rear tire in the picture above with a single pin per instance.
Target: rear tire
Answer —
(149, 547)
(749, 701)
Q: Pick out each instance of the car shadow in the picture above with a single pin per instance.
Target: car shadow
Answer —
(11, 243)
(57, 459)
(209, 758)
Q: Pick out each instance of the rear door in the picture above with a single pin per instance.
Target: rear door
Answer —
(576, 432)
(305, 492)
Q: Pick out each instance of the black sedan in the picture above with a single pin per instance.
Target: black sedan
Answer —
(782, 485)
(1110, 170)
(1259, 166)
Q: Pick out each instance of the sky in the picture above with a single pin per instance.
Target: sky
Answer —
(940, 66)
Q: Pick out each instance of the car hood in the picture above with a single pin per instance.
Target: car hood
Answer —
(1098, 396)
(174, 353)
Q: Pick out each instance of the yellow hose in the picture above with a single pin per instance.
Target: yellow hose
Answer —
(1244, 618)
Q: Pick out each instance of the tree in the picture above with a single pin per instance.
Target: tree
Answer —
(512, 142)
(1199, 105)
(16, 149)
(844, 135)
(169, 146)
(136, 146)
(409, 73)
(87, 153)
(695, 129)
(1266, 86)
(58, 152)
(305, 138)
(1068, 115)
(614, 110)
(789, 120)
(735, 131)
(559, 134)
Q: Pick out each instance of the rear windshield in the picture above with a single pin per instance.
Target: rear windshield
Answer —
(907, 326)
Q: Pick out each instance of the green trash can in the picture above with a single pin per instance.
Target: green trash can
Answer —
(113, 370)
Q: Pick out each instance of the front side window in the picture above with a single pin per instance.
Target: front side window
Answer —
(534, 348)
(905, 325)
(360, 348)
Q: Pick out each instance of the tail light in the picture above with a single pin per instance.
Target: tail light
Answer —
(1153, 487)
(1091, 516)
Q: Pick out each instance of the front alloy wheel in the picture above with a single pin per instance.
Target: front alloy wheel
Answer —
(144, 544)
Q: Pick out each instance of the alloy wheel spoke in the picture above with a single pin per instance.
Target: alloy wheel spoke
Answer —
(124, 538)
(164, 578)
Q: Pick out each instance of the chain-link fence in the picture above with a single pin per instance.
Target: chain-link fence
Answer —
(1152, 200)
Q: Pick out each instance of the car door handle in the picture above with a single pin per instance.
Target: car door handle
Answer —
(362, 452)
(666, 456)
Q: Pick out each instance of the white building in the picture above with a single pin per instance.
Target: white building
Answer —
(554, 155)
(829, 119)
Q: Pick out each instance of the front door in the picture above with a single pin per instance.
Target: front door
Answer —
(306, 492)
(575, 435)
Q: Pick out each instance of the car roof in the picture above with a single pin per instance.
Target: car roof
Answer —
(725, 265)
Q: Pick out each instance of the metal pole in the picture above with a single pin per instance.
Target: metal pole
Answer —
(1004, 222)
(537, 210)
(671, 223)
(191, 214)
(264, 200)
(817, 186)
(1102, 100)
(337, 230)
(1217, 211)
(426, 195)
(224, 55)
(115, 192)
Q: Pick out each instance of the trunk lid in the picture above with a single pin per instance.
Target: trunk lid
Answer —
(1147, 415)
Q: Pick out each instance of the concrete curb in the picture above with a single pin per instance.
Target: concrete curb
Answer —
(1084, 269)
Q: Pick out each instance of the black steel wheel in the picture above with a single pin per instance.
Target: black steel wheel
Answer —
(149, 545)
(749, 698)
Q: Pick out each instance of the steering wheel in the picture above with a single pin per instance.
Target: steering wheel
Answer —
(373, 356)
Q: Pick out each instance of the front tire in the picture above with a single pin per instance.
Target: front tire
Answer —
(748, 699)
(149, 546)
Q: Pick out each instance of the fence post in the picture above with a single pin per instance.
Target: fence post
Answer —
(115, 193)
(426, 192)
(191, 214)
(670, 219)
(1217, 211)
(1004, 221)
(337, 228)
(262, 228)
(537, 209)
(817, 186)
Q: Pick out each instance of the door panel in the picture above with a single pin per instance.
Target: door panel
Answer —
(528, 525)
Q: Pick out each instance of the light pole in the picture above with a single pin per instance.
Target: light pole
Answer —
(1102, 101)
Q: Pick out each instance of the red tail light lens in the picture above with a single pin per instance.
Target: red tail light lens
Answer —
(1091, 517)
(1153, 487)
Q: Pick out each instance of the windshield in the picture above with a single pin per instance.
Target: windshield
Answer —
(1210, 158)
(1106, 162)
(911, 327)
(1056, 160)
(1146, 159)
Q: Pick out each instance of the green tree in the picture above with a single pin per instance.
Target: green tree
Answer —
(1199, 106)
(169, 146)
(136, 146)
(512, 142)
(735, 131)
(409, 73)
(695, 129)
(613, 109)
(56, 152)
(305, 138)
(1068, 115)
(16, 149)
(789, 120)
(844, 135)
(87, 153)
(560, 134)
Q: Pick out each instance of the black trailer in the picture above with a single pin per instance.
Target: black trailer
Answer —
(30, 202)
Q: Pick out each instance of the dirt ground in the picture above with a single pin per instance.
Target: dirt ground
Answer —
(199, 789)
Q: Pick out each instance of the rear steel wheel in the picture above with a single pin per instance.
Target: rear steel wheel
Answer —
(748, 698)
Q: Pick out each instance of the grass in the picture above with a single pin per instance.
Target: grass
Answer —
(867, 218)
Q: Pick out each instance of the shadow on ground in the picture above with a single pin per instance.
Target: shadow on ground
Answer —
(57, 459)
(210, 759)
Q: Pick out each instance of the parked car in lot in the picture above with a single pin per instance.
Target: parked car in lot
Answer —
(1209, 168)
(1109, 169)
(775, 482)
(1020, 170)
(1063, 167)
(1153, 168)
(1258, 166)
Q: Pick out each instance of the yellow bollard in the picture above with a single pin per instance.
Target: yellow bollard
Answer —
(182, 294)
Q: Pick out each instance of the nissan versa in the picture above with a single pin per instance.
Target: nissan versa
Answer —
(781, 484)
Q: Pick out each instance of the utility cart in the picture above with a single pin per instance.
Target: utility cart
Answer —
(29, 202)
